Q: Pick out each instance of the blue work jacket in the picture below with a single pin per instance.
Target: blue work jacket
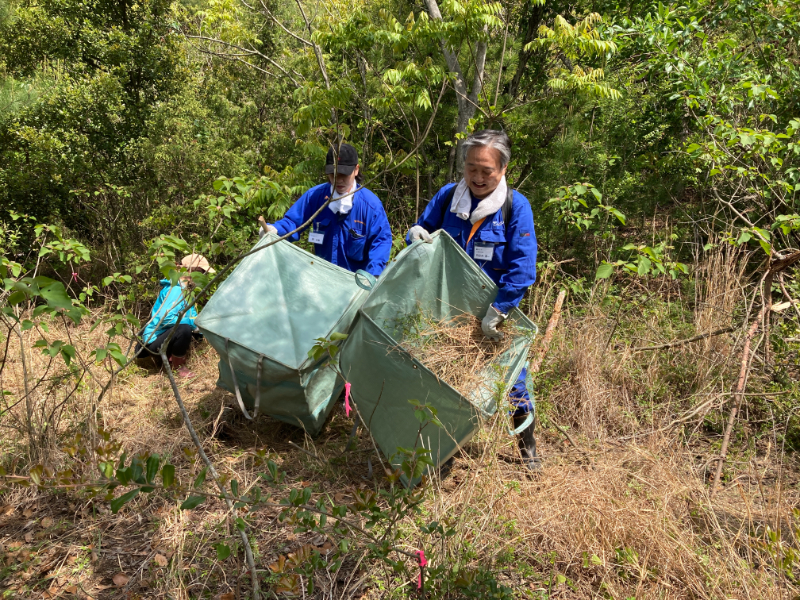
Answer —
(169, 303)
(513, 263)
(360, 239)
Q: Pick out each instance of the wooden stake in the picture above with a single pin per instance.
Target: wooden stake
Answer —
(536, 364)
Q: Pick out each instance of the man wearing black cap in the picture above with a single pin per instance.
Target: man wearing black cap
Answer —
(353, 231)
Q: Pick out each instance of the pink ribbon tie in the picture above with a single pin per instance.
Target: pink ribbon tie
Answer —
(347, 408)
(74, 276)
(422, 563)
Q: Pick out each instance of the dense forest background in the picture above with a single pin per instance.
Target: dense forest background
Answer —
(658, 145)
(118, 118)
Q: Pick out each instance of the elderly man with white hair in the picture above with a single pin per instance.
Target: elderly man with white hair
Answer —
(494, 225)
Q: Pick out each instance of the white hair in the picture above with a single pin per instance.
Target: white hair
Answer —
(493, 138)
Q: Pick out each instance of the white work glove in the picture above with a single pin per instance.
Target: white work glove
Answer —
(262, 233)
(490, 323)
(419, 233)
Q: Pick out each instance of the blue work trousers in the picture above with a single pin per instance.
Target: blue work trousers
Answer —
(519, 396)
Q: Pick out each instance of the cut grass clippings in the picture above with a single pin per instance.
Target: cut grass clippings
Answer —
(456, 351)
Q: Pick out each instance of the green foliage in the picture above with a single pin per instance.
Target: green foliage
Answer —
(115, 62)
(572, 206)
(584, 40)
(645, 261)
(326, 347)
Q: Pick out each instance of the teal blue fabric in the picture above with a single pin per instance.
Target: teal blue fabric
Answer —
(441, 281)
(169, 304)
(271, 310)
(513, 264)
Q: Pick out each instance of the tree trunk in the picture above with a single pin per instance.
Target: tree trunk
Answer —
(531, 26)
(467, 99)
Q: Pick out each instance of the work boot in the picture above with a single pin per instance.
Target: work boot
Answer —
(527, 444)
(179, 363)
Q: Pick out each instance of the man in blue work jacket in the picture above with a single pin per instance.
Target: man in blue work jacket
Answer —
(494, 225)
(353, 231)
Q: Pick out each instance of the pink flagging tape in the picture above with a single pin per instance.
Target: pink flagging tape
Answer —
(347, 408)
(422, 563)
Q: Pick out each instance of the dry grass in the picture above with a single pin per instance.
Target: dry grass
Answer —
(456, 351)
(618, 521)
(719, 291)
(611, 519)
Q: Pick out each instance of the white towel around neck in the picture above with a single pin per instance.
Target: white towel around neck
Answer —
(462, 202)
(342, 203)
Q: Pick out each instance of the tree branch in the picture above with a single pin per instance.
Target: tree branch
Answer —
(737, 395)
(248, 51)
(317, 51)
(686, 341)
(248, 550)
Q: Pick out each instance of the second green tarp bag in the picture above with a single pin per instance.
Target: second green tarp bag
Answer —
(263, 321)
(441, 281)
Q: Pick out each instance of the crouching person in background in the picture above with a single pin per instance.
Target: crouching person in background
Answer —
(494, 225)
(169, 304)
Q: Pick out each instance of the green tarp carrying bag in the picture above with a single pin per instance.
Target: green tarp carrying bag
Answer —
(440, 280)
(264, 319)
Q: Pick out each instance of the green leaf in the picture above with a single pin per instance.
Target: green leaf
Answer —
(36, 474)
(106, 469)
(116, 353)
(604, 271)
(119, 502)
(123, 475)
(192, 502)
(223, 551)
(151, 468)
(67, 353)
(136, 470)
(235, 488)
(17, 297)
(644, 265)
(335, 336)
(200, 478)
(55, 294)
(168, 475)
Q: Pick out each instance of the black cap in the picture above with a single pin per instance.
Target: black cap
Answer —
(348, 160)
